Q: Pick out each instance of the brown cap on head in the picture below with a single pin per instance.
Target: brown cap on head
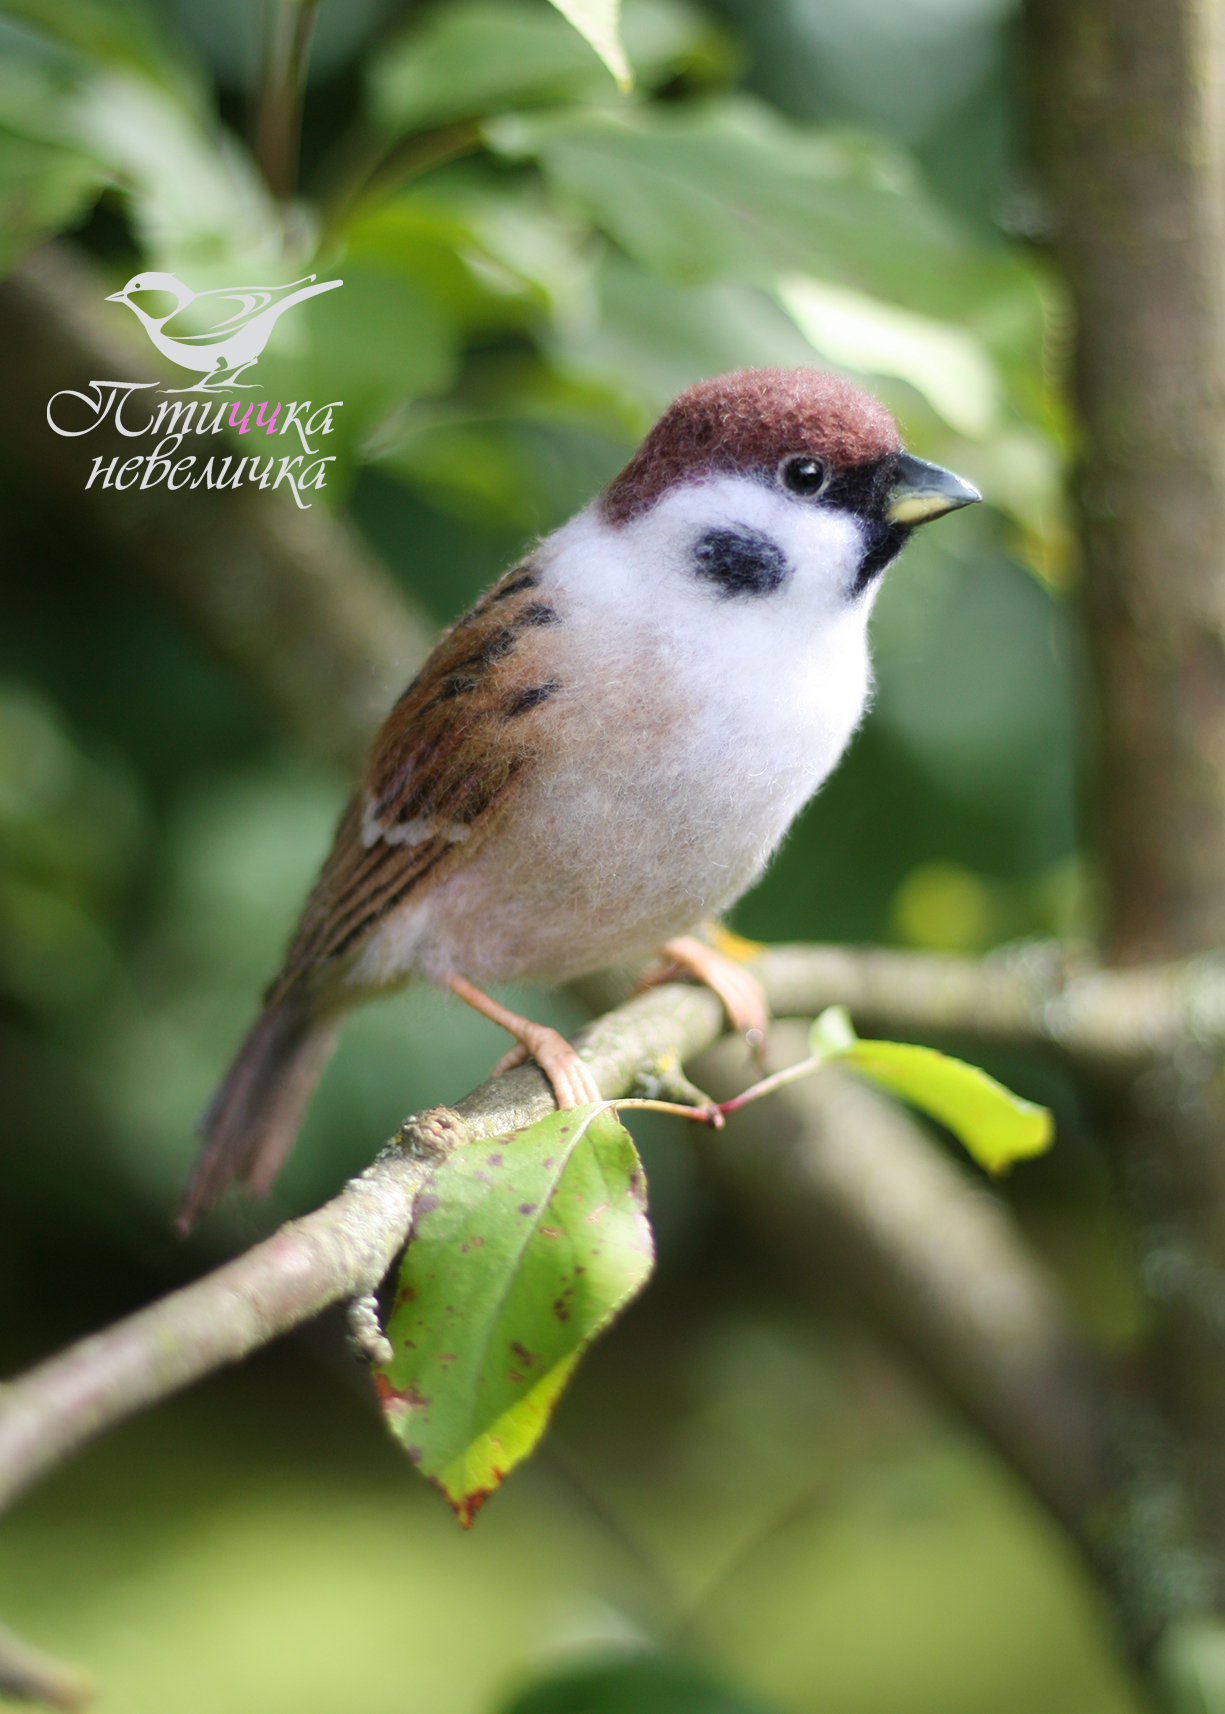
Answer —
(746, 423)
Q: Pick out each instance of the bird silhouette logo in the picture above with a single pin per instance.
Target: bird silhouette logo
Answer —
(238, 323)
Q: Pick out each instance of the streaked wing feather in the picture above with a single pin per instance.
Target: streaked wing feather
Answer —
(440, 773)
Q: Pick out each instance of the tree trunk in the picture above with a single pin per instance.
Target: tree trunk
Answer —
(1127, 133)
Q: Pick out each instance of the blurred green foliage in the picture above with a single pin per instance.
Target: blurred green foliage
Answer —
(533, 264)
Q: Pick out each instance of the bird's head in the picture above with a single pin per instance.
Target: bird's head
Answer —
(152, 282)
(779, 488)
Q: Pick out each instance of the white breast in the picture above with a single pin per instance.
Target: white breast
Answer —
(690, 730)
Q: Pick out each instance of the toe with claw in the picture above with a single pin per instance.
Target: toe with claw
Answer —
(573, 1084)
(743, 997)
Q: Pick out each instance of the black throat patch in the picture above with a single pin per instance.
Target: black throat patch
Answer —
(864, 491)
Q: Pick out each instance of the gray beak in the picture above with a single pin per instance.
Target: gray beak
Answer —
(117, 297)
(924, 491)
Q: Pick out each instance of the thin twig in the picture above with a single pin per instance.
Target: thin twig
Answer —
(767, 1086)
(369, 170)
(277, 123)
(29, 1675)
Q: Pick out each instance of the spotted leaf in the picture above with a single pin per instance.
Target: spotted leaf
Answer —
(523, 1249)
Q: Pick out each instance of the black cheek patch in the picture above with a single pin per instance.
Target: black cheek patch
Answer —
(740, 561)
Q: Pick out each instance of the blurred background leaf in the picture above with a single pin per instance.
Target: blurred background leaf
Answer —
(599, 22)
(534, 265)
(648, 1685)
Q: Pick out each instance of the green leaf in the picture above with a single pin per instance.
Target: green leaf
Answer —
(996, 1126)
(477, 57)
(195, 198)
(522, 1251)
(832, 1033)
(599, 22)
(652, 338)
(730, 189)
(498, 255)
(43, 189)
(648, 1684)
(107, 33)
(374, 344)
(948, 365)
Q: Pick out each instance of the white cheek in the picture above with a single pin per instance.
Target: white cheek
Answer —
(650, 560)
(782, 678)
(823, 547)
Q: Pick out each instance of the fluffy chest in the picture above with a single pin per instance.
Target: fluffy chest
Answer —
(686, 732)
(670, 728)
(739, 700)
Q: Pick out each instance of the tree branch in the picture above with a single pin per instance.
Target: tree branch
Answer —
(938, 1255)
(1035, 995)
(925, 1255)
(339, 1252)
(344, 1249)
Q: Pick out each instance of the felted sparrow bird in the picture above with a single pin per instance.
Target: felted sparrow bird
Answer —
(606, 750)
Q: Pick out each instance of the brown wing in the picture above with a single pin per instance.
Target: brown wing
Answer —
(441, 769)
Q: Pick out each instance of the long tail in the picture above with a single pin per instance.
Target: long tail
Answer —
(252, 1121)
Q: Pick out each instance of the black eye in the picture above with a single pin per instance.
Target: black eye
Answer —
(802, 473)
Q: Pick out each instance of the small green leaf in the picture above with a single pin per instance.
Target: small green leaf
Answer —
(730, 190)
(599, 22)
(523, 1250)
(832, 1033)
(473, 58)
(996, 1126)
(646, 1684)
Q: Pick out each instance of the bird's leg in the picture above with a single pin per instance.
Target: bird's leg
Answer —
(573, 1084)
(743, 997)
